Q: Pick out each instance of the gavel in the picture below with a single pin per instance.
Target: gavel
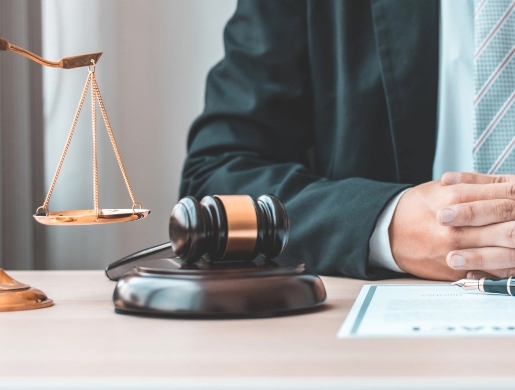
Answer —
(219, 228)
(228, 228)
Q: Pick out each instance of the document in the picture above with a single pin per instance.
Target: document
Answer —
(431, 310)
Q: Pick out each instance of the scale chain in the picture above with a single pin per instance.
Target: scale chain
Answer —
(94, 129)
(95, 95)
(67, 145)
(96, 91)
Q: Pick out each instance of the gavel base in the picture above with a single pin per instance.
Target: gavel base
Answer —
(232, 289)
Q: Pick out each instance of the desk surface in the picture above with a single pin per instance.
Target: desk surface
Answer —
(81, 341)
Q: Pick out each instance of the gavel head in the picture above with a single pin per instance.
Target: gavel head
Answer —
(228, 227)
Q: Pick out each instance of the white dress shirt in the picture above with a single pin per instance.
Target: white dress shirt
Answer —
(455, 114)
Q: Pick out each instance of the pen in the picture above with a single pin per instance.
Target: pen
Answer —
(498, 286)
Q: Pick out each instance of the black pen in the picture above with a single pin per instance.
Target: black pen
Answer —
(498, 286)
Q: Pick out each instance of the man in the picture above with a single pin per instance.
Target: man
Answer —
(335, 107)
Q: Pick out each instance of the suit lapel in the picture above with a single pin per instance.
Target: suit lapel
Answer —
(407, 34)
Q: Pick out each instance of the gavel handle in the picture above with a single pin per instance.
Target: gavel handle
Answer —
(116, 270)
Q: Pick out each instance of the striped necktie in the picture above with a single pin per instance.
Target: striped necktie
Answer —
(494, 81)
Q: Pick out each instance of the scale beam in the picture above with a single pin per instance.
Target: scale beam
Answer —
(64, 63)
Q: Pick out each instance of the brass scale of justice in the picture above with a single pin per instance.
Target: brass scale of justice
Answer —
(19, 296)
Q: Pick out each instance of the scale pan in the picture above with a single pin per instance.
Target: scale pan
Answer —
(90, 217)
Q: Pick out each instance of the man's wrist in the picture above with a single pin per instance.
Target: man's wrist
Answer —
(380, 251)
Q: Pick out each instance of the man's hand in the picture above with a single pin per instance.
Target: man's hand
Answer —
(465, 222)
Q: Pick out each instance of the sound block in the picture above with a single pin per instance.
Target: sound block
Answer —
(259, 288)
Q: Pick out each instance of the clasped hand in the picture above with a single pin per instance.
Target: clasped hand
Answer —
(463, 225)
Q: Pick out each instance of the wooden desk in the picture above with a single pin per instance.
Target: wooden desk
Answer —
(81, 343)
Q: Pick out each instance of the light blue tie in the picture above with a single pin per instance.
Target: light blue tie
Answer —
(494, 80)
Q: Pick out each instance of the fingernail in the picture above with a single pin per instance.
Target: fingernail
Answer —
(446, 215)
(457, 261)
(450, 178)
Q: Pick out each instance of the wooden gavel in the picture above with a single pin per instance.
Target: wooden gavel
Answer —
(228, 227)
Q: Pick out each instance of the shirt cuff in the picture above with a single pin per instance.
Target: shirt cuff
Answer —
(380, 250)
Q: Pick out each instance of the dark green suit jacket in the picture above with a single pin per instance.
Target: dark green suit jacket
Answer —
(329, 105)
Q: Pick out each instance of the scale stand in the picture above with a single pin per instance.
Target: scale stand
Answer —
(16, 296)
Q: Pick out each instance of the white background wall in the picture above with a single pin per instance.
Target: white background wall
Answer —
(152, 74)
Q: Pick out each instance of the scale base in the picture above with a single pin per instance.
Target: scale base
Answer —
(16, 296)
(258, 288)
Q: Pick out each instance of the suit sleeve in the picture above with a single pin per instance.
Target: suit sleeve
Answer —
(254, 135)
